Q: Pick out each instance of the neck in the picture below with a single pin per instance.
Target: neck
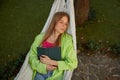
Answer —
(55, 34)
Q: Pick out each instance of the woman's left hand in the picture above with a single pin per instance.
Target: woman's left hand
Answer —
(45, 59)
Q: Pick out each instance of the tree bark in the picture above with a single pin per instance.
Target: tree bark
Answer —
(81, 11)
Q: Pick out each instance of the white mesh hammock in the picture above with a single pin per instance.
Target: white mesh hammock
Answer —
(26, 72)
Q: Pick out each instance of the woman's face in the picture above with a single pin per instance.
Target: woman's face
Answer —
(61, 25)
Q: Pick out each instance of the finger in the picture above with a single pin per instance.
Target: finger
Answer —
(54, 67)
(44, 56)
(41, 57)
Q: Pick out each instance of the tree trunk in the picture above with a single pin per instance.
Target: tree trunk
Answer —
(81, 11)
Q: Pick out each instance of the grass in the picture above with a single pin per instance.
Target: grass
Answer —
(106, 27)
(22, 20)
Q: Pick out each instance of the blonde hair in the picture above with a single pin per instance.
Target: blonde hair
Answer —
(57, 16)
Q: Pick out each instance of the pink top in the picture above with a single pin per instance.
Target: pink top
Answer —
(47, 44)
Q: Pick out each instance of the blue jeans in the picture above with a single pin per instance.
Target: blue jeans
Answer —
(40, 76)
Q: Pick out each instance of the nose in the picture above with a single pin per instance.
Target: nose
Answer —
(63, 24)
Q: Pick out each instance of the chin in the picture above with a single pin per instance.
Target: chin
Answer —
(62, 32)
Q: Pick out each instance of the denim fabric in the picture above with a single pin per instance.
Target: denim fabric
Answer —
(40, 76)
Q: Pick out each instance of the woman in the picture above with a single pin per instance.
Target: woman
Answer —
(45, 68)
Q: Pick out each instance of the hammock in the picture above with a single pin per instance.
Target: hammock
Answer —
(26, 72)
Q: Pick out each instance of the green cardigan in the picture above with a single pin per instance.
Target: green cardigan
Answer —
(69, 58)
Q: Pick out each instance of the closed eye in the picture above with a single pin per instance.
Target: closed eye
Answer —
(61, 22)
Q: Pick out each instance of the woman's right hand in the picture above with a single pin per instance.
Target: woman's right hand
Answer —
(50, 67)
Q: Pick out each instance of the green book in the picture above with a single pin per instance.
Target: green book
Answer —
(52, 52)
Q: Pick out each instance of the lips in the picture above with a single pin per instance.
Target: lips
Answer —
(62, 29)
